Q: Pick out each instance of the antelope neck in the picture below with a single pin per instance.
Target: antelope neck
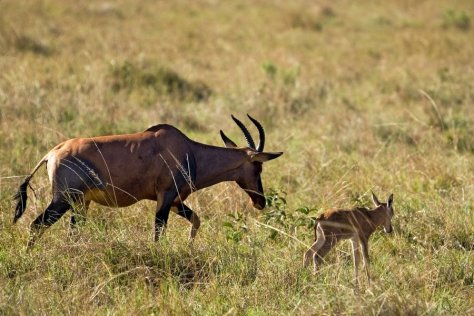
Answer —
(216, 164)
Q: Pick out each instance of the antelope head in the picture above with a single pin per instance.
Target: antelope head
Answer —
(387, 209)
(249, 175)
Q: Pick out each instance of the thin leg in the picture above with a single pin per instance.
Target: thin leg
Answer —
(162, 214)
(365, 252)
(191, 216)
(329, 242)
(318, 256)
(308, 255)
(356, 256)
(53, 212)
(320, 240)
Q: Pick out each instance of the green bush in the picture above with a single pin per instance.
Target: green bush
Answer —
(456, 19)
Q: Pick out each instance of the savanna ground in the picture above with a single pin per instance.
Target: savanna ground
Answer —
(360, 95)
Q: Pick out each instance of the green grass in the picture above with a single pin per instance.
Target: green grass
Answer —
(360, 96)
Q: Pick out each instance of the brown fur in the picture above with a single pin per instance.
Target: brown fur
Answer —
(160, 164)
(357, 225)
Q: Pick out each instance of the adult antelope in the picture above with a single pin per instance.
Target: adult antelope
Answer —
(160, 164)
(356, 224)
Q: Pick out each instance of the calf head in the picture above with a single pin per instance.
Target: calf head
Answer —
(387, 209)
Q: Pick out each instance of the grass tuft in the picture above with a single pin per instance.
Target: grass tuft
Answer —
(25, 43)
(163, 81)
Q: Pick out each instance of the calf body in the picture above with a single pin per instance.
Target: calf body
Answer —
(159, 164)
(356, 224)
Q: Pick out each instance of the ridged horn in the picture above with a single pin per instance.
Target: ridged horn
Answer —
(247, 135)
(261, 133)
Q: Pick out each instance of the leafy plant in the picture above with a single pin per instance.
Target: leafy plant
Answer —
(236, 227)
(279, 217)
(270, 69)
(281, 76)
(456, 19)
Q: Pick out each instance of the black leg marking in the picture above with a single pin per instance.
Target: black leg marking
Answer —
(184, 211)
(52, 213)
(161, 220)
(162, 214)
(183, 176)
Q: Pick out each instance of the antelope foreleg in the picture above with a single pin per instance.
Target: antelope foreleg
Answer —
(365, 253)
(162, 213)
(184, 211)
(356, 257)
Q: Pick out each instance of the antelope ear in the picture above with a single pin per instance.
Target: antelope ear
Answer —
(390, 201)
(262, 157)
(375, 200)
(227, 142)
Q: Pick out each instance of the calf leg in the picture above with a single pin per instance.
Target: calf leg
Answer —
(318, 256)
(53, 212)
(320, 240)
(365, 253)
(186, 212)
(356, 256)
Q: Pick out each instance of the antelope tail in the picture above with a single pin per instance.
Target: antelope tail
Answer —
(21, 196)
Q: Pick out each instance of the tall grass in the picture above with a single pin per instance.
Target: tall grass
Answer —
(359, 95)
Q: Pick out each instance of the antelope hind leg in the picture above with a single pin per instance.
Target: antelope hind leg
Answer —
(53, 212)
(317, 245)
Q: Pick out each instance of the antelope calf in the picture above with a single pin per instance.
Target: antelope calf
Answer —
(357, 225)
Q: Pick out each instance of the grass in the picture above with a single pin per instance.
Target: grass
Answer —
(359, 95)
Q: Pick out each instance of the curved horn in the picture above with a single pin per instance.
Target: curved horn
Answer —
(247, 135)
(227, 141)
(261, 133)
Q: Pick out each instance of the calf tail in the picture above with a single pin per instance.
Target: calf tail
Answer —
(21, 196)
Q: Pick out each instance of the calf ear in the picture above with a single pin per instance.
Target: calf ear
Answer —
(375, 200)
(262, 157)
(390, 201)
(227, 142)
